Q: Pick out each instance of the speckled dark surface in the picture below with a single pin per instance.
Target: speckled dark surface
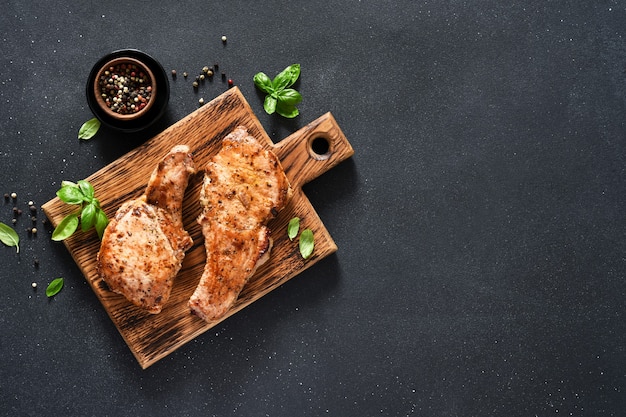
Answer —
(481, 224)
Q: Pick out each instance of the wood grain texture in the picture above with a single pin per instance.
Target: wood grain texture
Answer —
(152, 337)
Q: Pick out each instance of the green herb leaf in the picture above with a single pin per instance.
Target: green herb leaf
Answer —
(88, 217)
(263, 82)
(289, 96)
(9, 237)
(54, 287)
(269, 104)
(293, 227)
(287, 77)
(91, 215)
(280, 98)
(71, 194)
(286, 110)
(101, 222)
(306, 243)
(87, 189)
(89, 129)
(66, 228)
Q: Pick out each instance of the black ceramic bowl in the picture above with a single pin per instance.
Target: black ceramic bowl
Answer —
(159, 100)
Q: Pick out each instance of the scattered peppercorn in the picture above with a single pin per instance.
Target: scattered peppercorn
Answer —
(216, 66)
(34, 285)
(201, 77)
(224, 38)
(6, 196)
(173, 73)
(36, 262)
(195, 84)
(209, 73)
(34, 231)
(223, 75)
(33, 209)
(205, 69)
(230, 82)
(185, 74)
(201, 101)
(13, 196)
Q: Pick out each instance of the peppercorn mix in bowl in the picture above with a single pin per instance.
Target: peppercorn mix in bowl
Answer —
(127, 90)
(124, 88)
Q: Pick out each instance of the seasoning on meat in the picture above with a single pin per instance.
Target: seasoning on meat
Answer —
(244, 187)
(143, 246)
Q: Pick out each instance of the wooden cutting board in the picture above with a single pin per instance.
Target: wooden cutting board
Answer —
(152, 337)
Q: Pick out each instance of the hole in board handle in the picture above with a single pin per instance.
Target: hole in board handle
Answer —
(319, 148)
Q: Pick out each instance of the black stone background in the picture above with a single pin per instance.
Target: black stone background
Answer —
(480, 224)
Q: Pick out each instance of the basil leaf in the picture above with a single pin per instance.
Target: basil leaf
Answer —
(70, 194)
(286, 110)
(289, 96)
(287, 77)
(269, 104)
(9, 237)
(263, 82)
(293, 227)
(89, 129)
(68, 184)
(101, 222)
(66, 228)
(54, 287)
(88, 217)
(306, 243)
(87, 189)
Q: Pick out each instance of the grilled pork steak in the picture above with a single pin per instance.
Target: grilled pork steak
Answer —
(143, 246)
(244, 187)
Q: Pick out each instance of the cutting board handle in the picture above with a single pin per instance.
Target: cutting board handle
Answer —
(312, 150)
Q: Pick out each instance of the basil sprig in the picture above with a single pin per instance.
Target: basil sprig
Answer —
(280, 98)
(9, 237)
(90, 215)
